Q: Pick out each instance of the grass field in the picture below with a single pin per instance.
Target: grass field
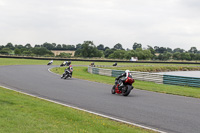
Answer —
(157, 68)
(12, 61)
(20, 113)
(24, 114)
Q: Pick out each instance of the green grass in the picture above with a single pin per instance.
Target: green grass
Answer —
(21, 114)
(12, 61)
(157, 68)
(81, 72)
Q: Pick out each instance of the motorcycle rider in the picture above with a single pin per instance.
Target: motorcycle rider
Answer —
(64, 63)
(68, 70)
(122, 80)
(50, 62)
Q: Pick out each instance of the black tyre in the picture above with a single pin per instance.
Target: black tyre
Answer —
(126, 91)
(113, 90)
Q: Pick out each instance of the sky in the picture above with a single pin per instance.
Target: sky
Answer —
(163, 23)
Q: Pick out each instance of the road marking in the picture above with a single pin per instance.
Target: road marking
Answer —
(91, 112)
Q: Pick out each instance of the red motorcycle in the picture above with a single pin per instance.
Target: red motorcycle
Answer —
(126, 89)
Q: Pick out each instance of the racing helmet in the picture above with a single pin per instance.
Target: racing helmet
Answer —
(127, 71)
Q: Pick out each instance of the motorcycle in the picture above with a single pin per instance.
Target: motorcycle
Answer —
(49, 63)
(67, 74)
(124, 90)
(63, 64)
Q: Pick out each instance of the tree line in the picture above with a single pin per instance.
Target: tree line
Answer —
(88, 50)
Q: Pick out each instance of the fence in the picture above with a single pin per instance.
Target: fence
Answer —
(146, 76)
(181, 81)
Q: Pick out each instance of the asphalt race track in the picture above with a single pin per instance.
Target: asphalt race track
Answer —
(164, 112)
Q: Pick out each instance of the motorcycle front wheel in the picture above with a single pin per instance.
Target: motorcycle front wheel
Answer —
(113, 90)
(126, 91)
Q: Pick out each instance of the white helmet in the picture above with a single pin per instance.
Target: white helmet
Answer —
(127, 71)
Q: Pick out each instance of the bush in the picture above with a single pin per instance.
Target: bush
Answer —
(64, 55)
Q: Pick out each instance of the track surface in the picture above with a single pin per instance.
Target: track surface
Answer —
(164, 112)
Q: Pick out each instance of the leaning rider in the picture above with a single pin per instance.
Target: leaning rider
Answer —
(69, 69)
(122, 80)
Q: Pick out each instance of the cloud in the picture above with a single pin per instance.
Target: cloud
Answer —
(172, 23)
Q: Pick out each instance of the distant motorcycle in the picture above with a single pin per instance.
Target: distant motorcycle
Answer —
(63, 64)
(126, 89)
(67, 74)
(49, 63)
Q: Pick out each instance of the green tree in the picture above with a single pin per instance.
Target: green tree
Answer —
(137, 45)
(88, 49)
(27, 52)
(169, 50)
(107, 52)
(193, 50)
(70, 47)
(19, 46)
(37, 46)
(118, 54)
(100, 47)
(49, 46)
(177, 56)
(193, 56)
(78, 46)
(5, 50)
(165, 56)
(41, 51)
(64, 55)
(106, 48)
(17, 51)
(10, 46)
(185, 56)
(59, 47)
(178, 50)
(143, 54)
(151, 49)
(118, 46)
(28, 46)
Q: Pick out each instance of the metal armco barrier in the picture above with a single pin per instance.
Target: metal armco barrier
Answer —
(146, 76)
(181, 81)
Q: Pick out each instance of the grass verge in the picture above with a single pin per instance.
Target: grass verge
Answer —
(21, 113)
(81, 72)
(12, 61)
(157, 68)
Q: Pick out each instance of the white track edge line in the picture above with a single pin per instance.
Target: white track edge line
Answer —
(91, 112)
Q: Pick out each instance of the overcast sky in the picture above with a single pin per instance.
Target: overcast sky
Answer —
(163, 23)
